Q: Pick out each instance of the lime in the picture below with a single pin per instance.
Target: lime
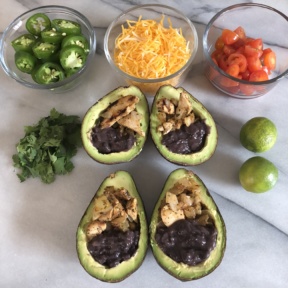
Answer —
(258, 175)
(258, 134)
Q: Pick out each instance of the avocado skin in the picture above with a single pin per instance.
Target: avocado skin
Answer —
(118, 179)
(93, 113)
(179, 270)
(170, 92)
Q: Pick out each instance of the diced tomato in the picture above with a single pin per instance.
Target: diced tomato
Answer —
(239, 59)
(269, 59)
(253, 63)
(229, 37)
(256, 43)
(227, 49)
(216, 54)
(245, 75)
(258, 76)
(219, 43)
(251, 51)
(233, 70)
(223, 64)
(242, 57)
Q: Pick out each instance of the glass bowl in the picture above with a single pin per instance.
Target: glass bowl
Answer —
(150, 85)
(17, 28)
(258, 21)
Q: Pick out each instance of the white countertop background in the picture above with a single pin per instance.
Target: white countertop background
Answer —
(38, 222)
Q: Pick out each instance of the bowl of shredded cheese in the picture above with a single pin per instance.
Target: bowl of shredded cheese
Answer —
(151, 45)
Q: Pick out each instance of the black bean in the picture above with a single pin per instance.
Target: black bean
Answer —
(187, 241)
(113, 246)
(186, 140)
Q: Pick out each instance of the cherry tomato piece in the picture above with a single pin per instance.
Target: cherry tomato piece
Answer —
(253, 63)
(239, 59)
(258, 76)
(233, 70)
(229, 37)
(269, 59)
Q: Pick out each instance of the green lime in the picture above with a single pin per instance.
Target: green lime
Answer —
(258, 134)
(258, 175)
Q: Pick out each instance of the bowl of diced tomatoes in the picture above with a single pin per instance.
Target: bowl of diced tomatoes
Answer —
(245, 56)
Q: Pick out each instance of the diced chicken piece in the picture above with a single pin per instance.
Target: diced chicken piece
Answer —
(131, 209)
(177, 188)
(95, 228)
(184, 201)
(169, 216)
(203, 219)
(102, 206)
(117, 210)
(122, 193)
(165, 105)
(121, 222)
(172, 201)
(132, 121)
(162, 117)
(190, 119)
(106, 216)
(184, 107)
(118, 110)
(190, 212)
(168, 126)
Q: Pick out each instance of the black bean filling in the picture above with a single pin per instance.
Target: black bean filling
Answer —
(186, 241)
(112, 139)
(186, 140)
(111, 247)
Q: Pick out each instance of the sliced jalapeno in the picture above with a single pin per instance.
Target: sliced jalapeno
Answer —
(48, 72)
(79, 40)
(37, 23)
(72, 57)
(25, 61)
(44, 50)
(24, 42)
(67, 27)
(52, 36)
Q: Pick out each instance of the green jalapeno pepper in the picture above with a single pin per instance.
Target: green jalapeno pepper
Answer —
(47, 73)
(44, 50)
(72, 57)
(24, 42)
(67, 27)
(79, 40)
(52, 36)
(37, 23)
(25, 61)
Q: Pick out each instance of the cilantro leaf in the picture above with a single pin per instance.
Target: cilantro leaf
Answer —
(47, 147)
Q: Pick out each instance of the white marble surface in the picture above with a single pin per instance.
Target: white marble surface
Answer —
(38, 222)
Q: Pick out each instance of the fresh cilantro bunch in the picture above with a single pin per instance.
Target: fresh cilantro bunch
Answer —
(47, 147)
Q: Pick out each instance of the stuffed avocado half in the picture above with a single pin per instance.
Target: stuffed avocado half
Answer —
(112, 236)
(114, 129)
(182, 129)
(187, 231)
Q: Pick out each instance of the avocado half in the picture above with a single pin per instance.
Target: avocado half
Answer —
(173, 94)
(183, 271)
(93, 115)
(119, 179)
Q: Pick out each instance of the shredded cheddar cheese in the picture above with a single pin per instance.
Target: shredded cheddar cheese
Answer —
(148, 50)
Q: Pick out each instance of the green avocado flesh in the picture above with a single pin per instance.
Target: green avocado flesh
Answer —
(119, 179)
(195, 158)
(180, 270)
(93, 115)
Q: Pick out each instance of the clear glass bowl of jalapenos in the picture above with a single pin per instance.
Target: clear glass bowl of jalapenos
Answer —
(49, 48)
